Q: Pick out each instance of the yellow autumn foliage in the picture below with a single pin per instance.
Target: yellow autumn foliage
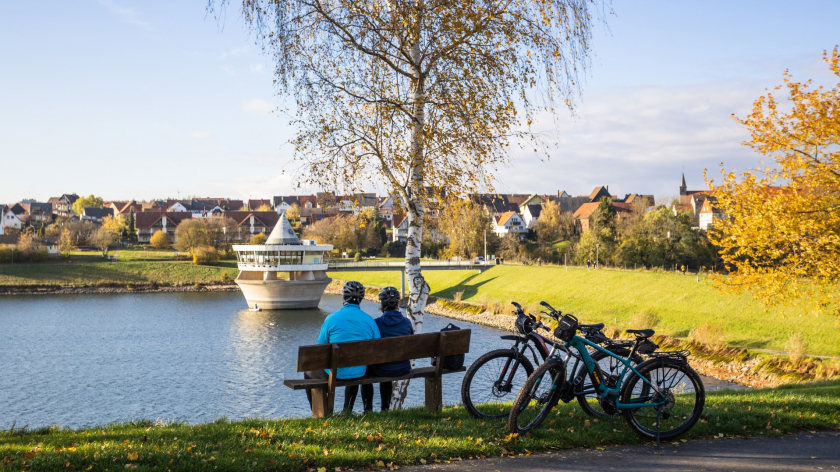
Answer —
(780, 236)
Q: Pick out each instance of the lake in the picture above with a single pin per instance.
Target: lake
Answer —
(85, 360)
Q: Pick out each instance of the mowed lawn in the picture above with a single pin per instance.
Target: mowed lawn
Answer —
(614, 297)
(133, 266)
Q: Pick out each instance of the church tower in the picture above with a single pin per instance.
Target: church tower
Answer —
(683, 187)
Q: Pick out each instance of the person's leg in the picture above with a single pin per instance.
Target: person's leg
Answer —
(313, 374)
(386, 389)
(367, 397)
(350, 393)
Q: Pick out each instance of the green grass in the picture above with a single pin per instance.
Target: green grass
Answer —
(403, 437)
(613, 297)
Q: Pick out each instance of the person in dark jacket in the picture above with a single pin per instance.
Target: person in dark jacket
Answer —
(391, 323)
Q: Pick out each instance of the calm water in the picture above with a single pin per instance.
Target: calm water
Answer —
(82, 360)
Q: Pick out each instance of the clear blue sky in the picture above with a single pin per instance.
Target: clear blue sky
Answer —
(148, 99)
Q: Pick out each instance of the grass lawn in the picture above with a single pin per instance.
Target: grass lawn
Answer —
(613, 297)
(403, 437)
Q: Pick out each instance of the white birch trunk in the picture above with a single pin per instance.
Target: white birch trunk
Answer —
(418, 289)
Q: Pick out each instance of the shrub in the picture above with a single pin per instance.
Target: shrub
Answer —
(458, 296)
(205, 255)
(645, 319)
(708, 335)
(225, 278)
(258, 239)
(197, 286)
(160, 240)
(796, 347)
(357, 257)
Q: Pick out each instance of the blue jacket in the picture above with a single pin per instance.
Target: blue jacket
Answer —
(392, 323)
(349, 323)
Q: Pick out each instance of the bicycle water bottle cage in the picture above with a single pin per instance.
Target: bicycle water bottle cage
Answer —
(567, 326)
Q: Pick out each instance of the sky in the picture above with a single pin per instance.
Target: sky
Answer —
(129, 99)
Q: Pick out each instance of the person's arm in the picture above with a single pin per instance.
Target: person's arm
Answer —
(324, 337)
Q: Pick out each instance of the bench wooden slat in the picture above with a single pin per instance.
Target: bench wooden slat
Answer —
(378, 351)
(421, 372)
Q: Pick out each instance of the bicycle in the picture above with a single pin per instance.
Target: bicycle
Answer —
(507, 369)
(661, 398)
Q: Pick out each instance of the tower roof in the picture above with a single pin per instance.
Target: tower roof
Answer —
(283, 233)
(682, 183)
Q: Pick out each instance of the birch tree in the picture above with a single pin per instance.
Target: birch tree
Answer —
(424, 96)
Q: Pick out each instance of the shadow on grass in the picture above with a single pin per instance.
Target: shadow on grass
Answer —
(470, 290)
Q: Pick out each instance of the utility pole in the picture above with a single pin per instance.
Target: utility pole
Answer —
(485, 244)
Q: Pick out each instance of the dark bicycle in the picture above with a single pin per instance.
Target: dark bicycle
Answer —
(660, 398)
(494, 379)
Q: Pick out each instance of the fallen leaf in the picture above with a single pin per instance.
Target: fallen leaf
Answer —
(132, 456)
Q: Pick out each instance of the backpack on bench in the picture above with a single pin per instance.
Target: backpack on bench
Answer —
(452, 362)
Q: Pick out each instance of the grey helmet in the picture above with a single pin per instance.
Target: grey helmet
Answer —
(389, 297)
(354, 292)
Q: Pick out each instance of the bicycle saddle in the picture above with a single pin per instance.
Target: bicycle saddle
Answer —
(642, 333)
(596, 326)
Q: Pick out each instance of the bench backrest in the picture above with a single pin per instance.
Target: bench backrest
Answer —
(378, 351)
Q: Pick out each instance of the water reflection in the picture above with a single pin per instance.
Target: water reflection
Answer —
(80, 360)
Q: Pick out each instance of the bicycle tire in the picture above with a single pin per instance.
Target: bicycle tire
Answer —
(689, 389)
(479, 409)
(534, 399)
(584, 400)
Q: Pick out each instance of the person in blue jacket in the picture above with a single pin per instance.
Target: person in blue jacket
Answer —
(349, 323)
(391, 323)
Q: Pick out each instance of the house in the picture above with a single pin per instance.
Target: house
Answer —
(38, 211)
(387, 208)
(510, 223)
(691, 200)
(223, 203)
(150, 222)
(255, 205)
(530, 215)
(643, 201)
(128, 206)
(309, 215)
(584, 213)
(96, 214)
(53, 245)
(198, 208)
(251, 223)
(495, 204)
(63, 205)
(9, 219)
(354, 203)
(708, 214)
(400, 233)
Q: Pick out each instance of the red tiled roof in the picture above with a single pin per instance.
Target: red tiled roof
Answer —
(505, 217)
(266, 218)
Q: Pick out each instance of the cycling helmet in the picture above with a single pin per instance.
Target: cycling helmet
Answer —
(390, 298)
(524, 324)
(354, 292)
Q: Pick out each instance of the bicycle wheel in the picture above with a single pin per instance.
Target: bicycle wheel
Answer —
(537, 397)
(678, 384)
(611, 367)
(488, 385)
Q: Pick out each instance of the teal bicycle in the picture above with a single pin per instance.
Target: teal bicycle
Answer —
(661, 398)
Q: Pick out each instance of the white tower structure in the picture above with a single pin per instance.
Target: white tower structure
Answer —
(305, 263)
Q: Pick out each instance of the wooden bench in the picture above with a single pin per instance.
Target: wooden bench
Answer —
(378, 351)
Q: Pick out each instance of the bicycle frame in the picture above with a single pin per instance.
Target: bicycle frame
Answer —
(580, 345)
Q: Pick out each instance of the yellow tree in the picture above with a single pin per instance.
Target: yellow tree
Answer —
(425, 96)
(780, 238)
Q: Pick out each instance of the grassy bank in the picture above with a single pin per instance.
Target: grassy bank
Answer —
(400, 438)
(614, 297)
(134, 266)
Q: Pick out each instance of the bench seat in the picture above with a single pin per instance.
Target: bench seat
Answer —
(421, 372)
